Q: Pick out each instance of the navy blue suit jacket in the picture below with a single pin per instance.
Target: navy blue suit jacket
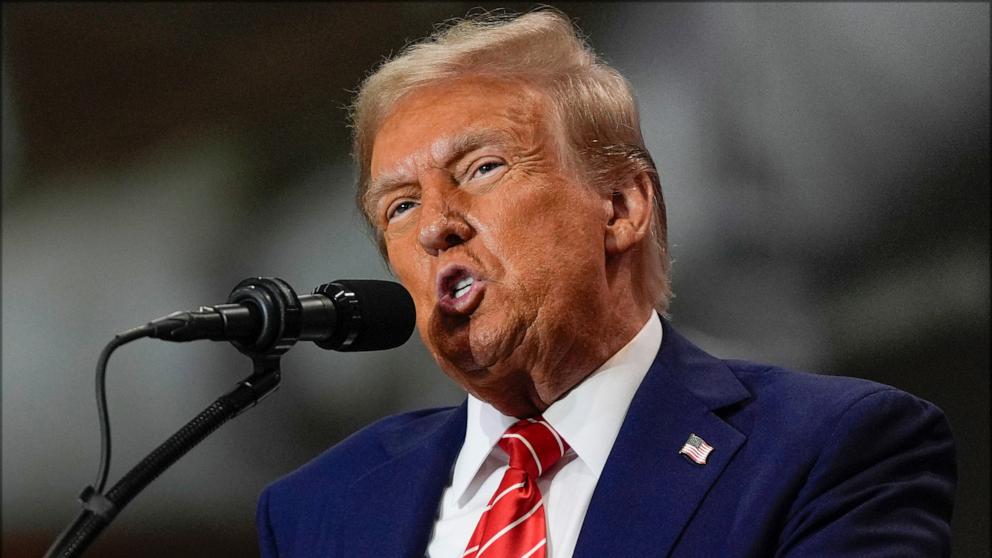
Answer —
(803, 465)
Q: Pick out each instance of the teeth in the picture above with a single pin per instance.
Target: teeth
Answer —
(462, 287)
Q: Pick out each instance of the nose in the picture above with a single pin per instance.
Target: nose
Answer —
(442, 218)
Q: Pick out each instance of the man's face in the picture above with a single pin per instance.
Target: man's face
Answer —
(492, 232)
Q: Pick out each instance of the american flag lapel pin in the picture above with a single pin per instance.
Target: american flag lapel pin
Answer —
(696, 450)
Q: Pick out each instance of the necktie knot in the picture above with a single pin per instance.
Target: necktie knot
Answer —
(533, 446)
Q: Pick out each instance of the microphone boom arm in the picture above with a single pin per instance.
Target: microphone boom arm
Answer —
(100, 509)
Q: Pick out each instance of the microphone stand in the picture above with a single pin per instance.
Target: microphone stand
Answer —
(100, 510)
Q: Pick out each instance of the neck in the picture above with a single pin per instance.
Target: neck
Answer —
(580, 350)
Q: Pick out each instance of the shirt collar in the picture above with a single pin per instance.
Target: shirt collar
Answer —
(588, 417)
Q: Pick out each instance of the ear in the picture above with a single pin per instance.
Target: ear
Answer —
(630, 222)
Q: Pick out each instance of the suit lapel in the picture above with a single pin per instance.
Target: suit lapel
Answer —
(647, 492)
(398, 500)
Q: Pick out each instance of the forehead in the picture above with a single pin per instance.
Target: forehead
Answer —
(432, 122)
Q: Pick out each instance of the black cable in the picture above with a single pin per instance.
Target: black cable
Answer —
(101, 398)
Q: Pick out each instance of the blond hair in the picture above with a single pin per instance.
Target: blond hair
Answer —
(592, 103)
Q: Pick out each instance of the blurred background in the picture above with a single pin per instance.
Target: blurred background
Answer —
(826, 169)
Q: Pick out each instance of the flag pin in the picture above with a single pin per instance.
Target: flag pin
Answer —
(696, 450)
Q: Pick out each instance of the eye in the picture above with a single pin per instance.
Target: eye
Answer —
(398, 208)
(487, 168)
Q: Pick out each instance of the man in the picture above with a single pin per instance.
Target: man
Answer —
(503, 171)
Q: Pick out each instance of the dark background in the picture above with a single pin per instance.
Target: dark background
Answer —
(826, 169)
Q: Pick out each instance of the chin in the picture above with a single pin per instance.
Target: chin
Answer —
(477, 348)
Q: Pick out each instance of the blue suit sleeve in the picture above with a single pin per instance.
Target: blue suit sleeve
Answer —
(883, 485)
(266, 540)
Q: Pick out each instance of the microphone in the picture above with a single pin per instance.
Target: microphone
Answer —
(264, 314)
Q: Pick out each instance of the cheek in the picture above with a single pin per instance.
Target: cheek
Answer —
(510, 234)
(546, 234)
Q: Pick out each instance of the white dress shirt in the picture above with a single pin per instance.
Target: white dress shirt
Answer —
(588, 418)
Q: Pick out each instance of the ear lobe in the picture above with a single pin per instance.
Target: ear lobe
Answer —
(630, 222)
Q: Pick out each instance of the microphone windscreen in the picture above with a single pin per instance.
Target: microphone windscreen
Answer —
(387, 312)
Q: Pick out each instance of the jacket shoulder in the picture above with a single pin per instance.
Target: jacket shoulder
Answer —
(820, 398)
(293, 512)
(356, 454)
(858, 464)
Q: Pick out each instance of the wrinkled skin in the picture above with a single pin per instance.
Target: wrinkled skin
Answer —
(468, 180)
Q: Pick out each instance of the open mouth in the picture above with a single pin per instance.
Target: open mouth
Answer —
(459, 290)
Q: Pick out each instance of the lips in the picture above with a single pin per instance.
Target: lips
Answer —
(459, 290)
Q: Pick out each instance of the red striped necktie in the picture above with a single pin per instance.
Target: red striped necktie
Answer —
(513, 524)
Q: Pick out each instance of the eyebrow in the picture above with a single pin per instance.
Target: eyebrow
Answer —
(445, 151)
